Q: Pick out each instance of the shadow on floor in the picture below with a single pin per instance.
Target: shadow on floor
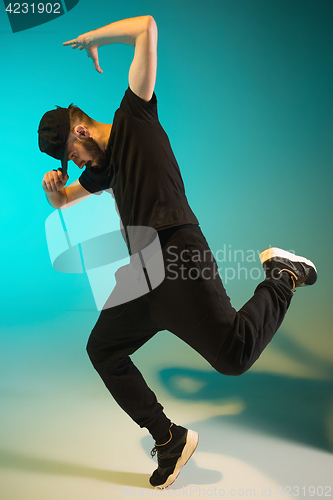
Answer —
(297, 409)
(19, 461)
(291, 408)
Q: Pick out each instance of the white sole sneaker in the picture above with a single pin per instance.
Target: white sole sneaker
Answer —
(192, 440)
(270, 253)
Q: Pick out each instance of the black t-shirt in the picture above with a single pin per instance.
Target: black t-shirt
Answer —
(141, 169)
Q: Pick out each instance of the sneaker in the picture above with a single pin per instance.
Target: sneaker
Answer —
(302, 271)
(172, 455)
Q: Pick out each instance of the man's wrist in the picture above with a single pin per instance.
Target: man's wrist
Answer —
(56, 198)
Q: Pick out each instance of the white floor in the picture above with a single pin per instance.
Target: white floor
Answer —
(59, 448)
(268, 433)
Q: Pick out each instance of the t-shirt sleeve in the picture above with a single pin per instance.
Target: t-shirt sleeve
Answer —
(131, 106)
(89, 183)
(135, 106)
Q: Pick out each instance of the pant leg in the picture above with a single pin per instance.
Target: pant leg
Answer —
(193, 304)
(255, 326)
(118, 333)
(197, 309)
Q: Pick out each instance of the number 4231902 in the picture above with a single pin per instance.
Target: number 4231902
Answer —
(33, 8)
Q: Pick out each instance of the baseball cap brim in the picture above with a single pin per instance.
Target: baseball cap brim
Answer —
(53, 133)
(64, 162)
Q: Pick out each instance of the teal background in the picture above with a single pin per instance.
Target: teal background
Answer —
(245, 94)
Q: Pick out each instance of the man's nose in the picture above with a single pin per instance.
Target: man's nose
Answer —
(79, 163)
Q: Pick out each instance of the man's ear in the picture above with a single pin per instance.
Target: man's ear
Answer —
(81, 132)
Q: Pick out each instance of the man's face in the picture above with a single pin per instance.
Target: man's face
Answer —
(86, 153)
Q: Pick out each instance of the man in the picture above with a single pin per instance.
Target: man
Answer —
(133, 157)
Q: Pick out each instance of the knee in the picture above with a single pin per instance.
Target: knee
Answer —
(91, 349)
(98, 352)
(105, 358)
(233, 369)
(237, 356)
(235, 361)
(240, 369)
(93, 356)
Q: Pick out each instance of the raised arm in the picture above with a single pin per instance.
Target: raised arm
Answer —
(141, 33)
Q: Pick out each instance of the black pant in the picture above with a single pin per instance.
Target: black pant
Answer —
(192, 303)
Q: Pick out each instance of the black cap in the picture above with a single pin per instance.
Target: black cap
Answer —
(53, 133)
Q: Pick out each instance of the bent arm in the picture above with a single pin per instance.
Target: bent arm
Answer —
(75, 193)
(67, 196)
(141, 33)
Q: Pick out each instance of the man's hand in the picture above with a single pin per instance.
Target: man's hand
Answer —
(86, 42)
(141, 33)
(53, 181)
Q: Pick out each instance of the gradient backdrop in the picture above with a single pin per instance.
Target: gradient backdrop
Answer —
(244, 90)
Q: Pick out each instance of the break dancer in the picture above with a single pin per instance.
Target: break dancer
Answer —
(133, 157)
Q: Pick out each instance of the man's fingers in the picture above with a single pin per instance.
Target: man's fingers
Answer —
(58, 173)
(45, 185)
(97, 67)
(88, 46)
(70, 42)
(57, 177)
(61, 179)
(74, 43)
(48, 185)
(53, 181)
(93, 53)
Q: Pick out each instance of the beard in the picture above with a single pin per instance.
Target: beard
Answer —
(99, 156)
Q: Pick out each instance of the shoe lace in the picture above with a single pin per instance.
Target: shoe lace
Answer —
(157, 448)
(159, 455)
